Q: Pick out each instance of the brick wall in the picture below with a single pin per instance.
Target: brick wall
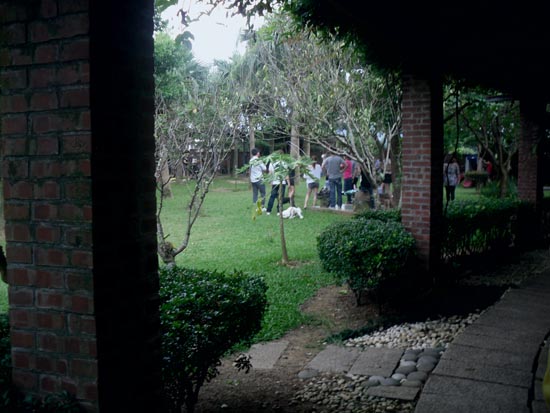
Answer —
(422, 157)
(529, 151)
(76, 114)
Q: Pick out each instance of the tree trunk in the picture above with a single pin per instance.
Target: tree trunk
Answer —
(294, 141)
(307, 147)
(396, 171)
(295, 148)
(165, 180)
(235, 160)
(284, 259)
(251, 134)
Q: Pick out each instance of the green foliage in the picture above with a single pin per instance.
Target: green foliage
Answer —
(385, 215)
(367, 253)
(492, 189)
(176, 70)
(5, 357)
(477, 177)
(225, 227)
(62, 402)
(488, 224)
(203, 315)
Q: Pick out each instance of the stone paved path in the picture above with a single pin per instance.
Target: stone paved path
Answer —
(495, 365)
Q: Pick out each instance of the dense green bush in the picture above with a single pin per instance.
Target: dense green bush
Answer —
(5, 359)
(366, 253)
(380, 214)
(479, 178)
(487, 224)
(203, 315)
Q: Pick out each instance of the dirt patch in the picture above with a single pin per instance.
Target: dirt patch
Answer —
(334, 309)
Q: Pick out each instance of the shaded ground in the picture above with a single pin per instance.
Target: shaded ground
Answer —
(272, 390)
(334, 309)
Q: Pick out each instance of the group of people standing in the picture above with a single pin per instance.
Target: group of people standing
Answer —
(257, 170)
(334, 167)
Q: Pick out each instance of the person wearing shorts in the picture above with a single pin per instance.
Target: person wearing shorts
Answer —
(312, 179)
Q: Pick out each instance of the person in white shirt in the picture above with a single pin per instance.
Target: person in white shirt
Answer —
(257, 169)
(275, 185)
(312, 181)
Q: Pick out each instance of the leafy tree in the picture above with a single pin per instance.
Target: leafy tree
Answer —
(282, 164)
(198, 119)
(196, 134)
(322, 92)
(488, 122)
(176, 70)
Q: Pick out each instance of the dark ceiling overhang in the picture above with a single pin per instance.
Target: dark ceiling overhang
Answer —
(489, 43)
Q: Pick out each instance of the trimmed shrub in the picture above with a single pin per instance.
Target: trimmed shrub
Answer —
(5, 361)
(384, 215)
(477, 227)
(478, 178)
(365, 253)
(203, 315)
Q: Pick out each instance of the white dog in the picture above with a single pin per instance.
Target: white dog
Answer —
(292, 212)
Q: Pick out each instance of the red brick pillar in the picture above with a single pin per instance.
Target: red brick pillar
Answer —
(76, 107)
(532, 115)
(422, 200)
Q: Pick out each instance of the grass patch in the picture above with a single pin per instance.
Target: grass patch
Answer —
(226, 238)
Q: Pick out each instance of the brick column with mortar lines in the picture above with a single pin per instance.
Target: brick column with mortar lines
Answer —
(46, 138)
(532, 115)
(56, 237)
(422, 157)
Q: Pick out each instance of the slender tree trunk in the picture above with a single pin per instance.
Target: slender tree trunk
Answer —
(395, 153)
(294, 141)
(165, 180)
(295, 148)
(235, 160)
(284, 251)
(251, 134)
(307, 147)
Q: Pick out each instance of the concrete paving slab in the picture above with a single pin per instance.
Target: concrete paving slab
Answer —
(513, 320)
(376, 362)
(493, 374)
(524, 300)
(537, 292)
(482, 357)
(543, 361)
(510, 312)
(504, 342)
(394, 392)
(451, 394)
(539, 407)
(334, 359)
(265, 355)
(485, 330)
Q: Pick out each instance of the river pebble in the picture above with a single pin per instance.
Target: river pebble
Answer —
(424, 342)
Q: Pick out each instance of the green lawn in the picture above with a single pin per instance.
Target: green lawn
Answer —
(225, 237)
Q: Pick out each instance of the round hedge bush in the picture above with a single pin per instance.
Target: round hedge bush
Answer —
(203, 315)
(365, 252)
